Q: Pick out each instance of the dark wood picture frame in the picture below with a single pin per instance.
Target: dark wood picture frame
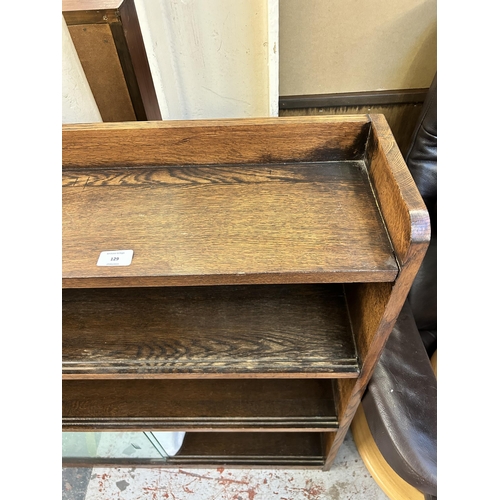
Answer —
(108, 39)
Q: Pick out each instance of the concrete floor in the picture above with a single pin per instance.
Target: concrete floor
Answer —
(348, 479)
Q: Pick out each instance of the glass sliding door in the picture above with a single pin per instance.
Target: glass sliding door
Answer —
(120, 446)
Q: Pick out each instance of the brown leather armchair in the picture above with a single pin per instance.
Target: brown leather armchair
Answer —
(395, 428)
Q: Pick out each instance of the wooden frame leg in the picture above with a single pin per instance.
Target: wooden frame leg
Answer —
(391, 483)
(434, 362)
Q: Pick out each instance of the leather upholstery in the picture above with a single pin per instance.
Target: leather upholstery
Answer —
(400, 402)
(400, 406)
(423, 298)
(422, 163)
(422, 154)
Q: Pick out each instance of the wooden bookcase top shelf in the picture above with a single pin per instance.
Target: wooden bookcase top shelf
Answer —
(192, 225)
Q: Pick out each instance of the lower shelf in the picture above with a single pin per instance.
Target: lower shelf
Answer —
(211, 332)
(235, 449)
(201, 405)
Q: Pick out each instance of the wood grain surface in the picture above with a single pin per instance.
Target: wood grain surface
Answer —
(257, 448)
(401, 204)
(181, 332)
(201, 405)
(229, 224)
(211, 142)
(402, 117)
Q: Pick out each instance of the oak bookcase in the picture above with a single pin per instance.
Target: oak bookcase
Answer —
(271, 258)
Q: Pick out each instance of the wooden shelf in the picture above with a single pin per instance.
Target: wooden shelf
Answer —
(299, 449)
(202, 405)
(231, 449)
(225, 331)
(230, 224)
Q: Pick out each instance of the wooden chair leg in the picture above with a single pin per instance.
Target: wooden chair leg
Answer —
(434, 362)
(391, 483)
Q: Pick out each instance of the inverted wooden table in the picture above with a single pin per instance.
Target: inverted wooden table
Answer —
(271, 258)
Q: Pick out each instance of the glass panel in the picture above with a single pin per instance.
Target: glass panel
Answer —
(108, 445)
(167, 443)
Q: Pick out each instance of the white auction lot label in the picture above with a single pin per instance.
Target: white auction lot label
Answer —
(115, 258)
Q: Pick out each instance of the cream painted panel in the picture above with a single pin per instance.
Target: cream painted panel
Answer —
(78, 103)
(332, 46)
(273, 55)
(212, 59)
